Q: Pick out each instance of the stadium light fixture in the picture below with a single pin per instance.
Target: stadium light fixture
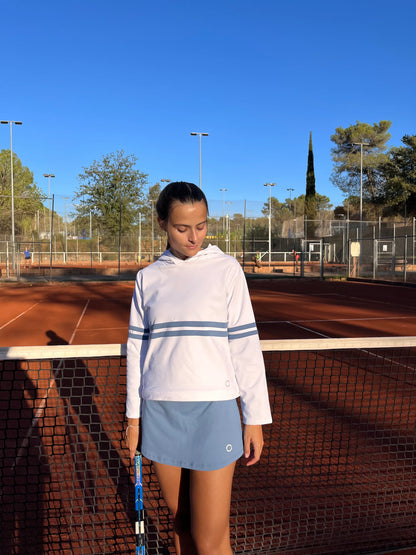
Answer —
(10, 122)
(194, 133)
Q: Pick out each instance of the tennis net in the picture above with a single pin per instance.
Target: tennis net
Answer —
(337, 473)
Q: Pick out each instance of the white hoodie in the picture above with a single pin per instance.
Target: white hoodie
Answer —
(193, 337)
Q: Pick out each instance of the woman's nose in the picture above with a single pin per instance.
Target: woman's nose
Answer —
(192, 235)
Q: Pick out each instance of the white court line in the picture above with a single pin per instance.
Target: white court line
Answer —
(18, 316)
(347, 297)
(126, 327)
(392, 361)
(326, 295)
(308, 329)
(336, 320)
(378, 301)
(362, 299)
(79, 321)
(42, 404)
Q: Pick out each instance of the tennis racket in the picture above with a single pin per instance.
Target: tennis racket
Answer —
(138, 499)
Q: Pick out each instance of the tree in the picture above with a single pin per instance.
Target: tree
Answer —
(400, 175)
(280, 212)
(108, 187)
(151, 199)
(27, 197)
(346, 156)
(310, 197)
(149, 211)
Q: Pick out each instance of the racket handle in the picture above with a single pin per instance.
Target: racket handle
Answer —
(138, 490)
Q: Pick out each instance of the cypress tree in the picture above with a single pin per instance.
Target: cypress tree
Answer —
(310, 197)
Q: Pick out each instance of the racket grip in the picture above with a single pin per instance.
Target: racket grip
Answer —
(138, 491)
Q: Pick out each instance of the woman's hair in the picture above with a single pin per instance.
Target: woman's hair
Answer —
(178, 191)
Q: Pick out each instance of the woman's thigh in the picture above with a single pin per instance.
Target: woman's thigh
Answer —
(200, 501)
(170, 479)
(210, 498)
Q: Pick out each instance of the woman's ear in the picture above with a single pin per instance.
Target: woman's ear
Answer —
(162, 224)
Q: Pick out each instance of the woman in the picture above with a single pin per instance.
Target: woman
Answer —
(193, 348)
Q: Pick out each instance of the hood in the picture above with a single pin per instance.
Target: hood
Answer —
(168, 258)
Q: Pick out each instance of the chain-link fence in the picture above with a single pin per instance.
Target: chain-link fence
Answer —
(388, 258)
(243, 229)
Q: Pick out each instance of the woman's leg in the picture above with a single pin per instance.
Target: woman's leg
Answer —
(200, 502)
(210, 497)
(174, 484)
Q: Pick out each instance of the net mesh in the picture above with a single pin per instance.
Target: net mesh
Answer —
(337, 473)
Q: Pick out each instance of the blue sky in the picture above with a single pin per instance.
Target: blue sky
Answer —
(94, 76)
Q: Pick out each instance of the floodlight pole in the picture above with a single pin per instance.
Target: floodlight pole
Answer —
(153, 233)
(9, 122)
(290, 189)
(223, 208)
(200, 135)
(50, 240)
(66, 232)
(270, 185)
(361, 144)
(49, 175)
(227, 228)
(361, 179)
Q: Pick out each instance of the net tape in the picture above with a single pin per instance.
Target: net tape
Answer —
(337, 473)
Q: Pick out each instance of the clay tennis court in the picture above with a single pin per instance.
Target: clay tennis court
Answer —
(343, 425)
(97, 313)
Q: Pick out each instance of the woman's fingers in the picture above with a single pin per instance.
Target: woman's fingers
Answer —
(253, 443)
(132, 440)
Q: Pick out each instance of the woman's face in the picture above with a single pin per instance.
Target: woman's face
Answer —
(186, 228)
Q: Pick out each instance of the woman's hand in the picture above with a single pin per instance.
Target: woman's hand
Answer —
(132, 436)
(253, 443)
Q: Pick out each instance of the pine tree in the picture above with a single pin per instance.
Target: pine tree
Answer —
(310, 197)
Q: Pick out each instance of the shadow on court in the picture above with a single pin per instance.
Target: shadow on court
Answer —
(24, 468)
(105, 482)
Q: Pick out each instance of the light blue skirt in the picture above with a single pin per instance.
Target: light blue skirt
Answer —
(195, 435)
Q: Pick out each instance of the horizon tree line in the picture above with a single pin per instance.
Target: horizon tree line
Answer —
(112, 190)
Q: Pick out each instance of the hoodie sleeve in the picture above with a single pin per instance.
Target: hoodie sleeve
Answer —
(137, 343)
(246, 351)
